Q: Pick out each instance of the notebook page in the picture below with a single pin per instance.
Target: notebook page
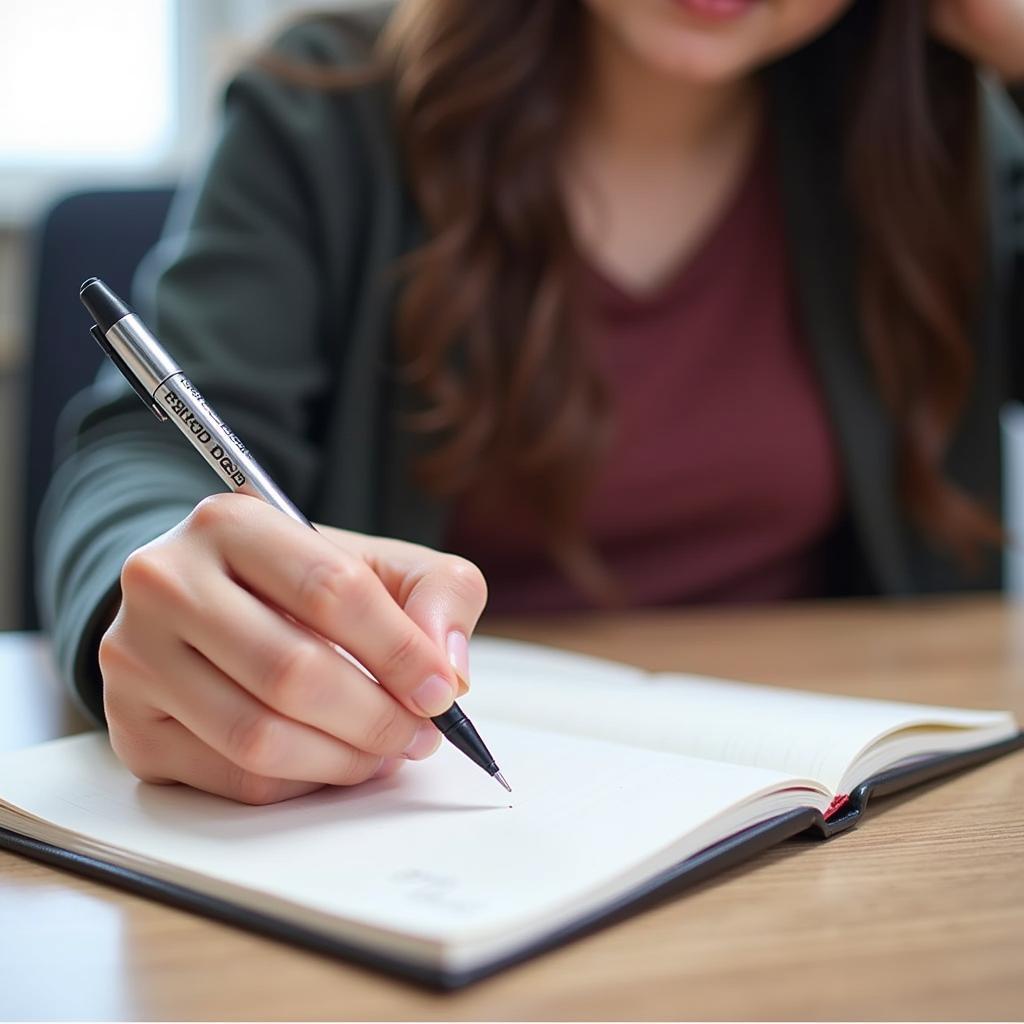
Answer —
(435, 853)
(814, 735)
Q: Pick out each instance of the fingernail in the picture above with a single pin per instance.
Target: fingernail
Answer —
(424, 743)
(388, 767)
(434, 696)
(458, 655)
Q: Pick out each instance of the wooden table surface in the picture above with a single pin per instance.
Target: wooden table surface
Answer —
(917, 914)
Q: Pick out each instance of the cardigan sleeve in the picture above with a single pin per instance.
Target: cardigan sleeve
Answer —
(235, 291)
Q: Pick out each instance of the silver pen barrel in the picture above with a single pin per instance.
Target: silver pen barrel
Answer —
(171, 395)
(218, 444)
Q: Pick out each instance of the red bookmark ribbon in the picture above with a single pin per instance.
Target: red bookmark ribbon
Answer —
(837, 805)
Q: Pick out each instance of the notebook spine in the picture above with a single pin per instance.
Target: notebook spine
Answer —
(845, 812)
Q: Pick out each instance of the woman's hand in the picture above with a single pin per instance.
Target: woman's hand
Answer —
(218, 667)
(989, 32)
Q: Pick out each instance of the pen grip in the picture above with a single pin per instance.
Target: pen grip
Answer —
(460, 732)
(451, 719)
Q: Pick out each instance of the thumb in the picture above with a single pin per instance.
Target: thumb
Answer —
(446, 601)
(442, 593)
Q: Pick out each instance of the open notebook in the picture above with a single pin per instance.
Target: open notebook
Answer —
(624, 783)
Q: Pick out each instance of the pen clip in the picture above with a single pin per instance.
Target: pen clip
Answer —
(127, 373)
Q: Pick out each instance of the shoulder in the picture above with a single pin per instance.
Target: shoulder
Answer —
(318, 85)
(344, 39)
(315, 108)
(299, 161)
(300, 63)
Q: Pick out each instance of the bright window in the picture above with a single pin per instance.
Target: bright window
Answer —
(87, 83)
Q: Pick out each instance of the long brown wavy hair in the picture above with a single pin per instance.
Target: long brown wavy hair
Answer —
(488, 329)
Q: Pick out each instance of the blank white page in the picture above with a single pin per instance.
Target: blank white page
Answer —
(814, 735)
(434, 855)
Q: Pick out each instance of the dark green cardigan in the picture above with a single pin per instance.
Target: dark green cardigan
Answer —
(273, 290)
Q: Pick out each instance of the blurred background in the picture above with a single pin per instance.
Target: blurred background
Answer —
(107, 105)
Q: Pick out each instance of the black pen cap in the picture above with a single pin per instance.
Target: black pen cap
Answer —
(103, 305)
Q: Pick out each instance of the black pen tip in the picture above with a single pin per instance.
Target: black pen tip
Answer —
(501, 779)
(103, 305)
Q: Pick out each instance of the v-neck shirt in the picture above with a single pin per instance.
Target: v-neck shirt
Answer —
(723, 478)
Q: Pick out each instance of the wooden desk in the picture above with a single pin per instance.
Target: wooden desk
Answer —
(918, 914)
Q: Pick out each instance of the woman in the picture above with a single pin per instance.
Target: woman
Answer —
(673, 300)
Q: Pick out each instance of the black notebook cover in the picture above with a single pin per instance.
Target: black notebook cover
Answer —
(711, 861)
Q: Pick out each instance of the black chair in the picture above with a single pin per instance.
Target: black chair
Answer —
(98, 233)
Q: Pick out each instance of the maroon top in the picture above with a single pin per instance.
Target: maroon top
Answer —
(723, 478)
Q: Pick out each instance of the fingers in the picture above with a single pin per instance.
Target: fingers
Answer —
(442, 593)
(332, 591)
(296, 674)
(445, 601)
(254, 737)
(171, 754)
(159, 749)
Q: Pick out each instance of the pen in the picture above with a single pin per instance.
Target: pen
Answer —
(162, 386)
